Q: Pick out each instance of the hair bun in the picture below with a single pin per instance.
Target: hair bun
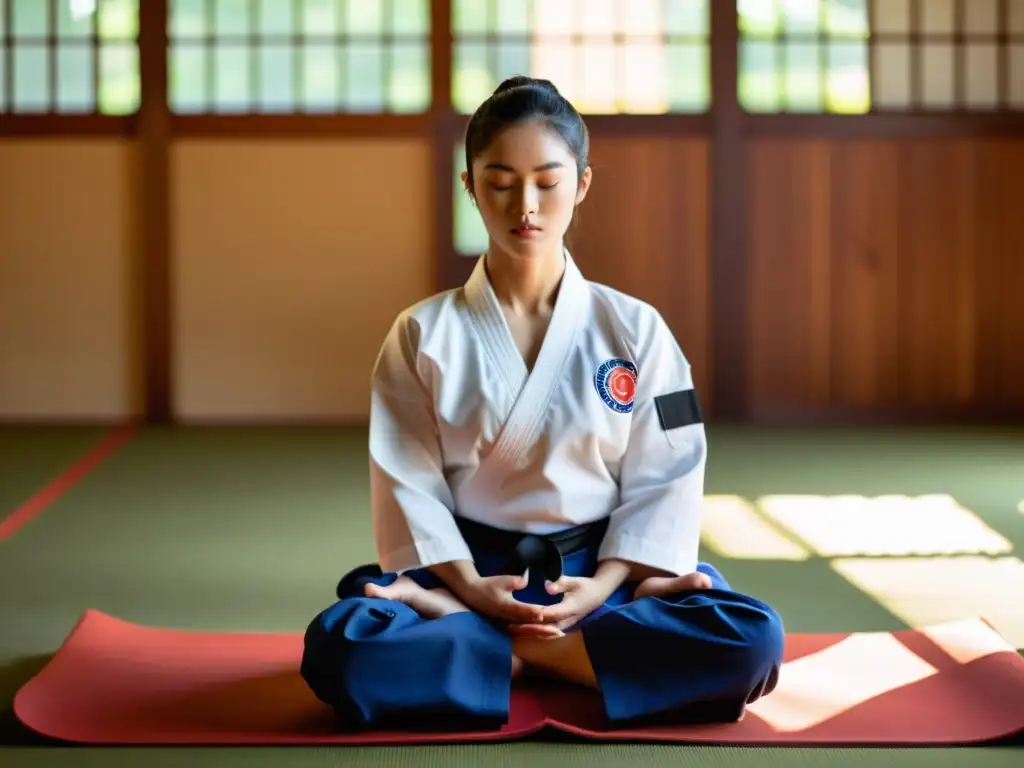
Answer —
(522, 81)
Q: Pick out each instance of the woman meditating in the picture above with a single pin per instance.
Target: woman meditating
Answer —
(537, 458)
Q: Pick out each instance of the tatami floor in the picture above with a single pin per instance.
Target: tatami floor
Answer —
(249, 529)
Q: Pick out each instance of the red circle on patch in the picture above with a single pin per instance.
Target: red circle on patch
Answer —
(622, 385)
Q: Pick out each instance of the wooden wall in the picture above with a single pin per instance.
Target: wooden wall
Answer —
(70, 310)
(806, 276)
(286, 270)
(885, 275)
(884, 278)
(643, 229)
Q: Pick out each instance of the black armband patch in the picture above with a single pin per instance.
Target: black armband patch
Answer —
(678, 409)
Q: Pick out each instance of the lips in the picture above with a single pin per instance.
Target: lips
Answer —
(527, 231)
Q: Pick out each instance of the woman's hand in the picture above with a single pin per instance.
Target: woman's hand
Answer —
(581, 596)
(491, 595)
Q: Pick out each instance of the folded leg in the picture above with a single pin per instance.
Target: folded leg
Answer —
(379, 664)
(714, 650)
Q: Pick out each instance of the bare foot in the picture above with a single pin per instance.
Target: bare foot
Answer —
(656, 586)
(428, 603)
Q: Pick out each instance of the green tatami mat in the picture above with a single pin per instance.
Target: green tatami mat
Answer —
(982, 469)
(526, 755)
(249, 529)
(30, 457)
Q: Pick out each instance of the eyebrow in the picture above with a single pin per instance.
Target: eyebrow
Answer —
(547, 167)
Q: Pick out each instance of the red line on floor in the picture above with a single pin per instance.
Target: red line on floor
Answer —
(65, 481)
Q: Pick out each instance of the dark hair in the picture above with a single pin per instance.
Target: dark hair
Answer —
(523, 99)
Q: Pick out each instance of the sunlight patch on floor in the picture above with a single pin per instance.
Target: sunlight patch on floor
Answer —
(894, 525)
(932, 590)
(731, 527)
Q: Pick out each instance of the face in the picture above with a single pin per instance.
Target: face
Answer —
(526, 188)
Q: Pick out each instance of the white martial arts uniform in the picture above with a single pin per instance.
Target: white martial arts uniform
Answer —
(459, 425)
(606, 428)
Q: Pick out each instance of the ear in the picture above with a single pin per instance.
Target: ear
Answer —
(584, 185)
(465, 181)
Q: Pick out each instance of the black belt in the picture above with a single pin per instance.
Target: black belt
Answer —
(540, 553)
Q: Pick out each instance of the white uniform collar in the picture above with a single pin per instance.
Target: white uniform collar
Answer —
(489, 319)
(482, 298)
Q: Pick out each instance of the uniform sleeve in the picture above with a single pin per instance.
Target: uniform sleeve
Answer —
(412, 504)
(657, 522)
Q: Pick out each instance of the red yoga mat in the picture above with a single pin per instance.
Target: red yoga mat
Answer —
(114, 682)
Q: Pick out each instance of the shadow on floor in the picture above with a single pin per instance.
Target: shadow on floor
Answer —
(13, 675)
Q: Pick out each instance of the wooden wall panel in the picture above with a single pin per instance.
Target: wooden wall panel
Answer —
(881, 275)
(288, 271)
(789, 273)
(643, 229)
(999, 236)
(69, 299)
(935, 320)
(864, 356)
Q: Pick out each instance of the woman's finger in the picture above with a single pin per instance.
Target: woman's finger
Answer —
(511, 583)
(560, 586)
(565, 623)
(560, 611)
(546, 631)
(516, 611)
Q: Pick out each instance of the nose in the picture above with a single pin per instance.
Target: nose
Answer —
(529, 199)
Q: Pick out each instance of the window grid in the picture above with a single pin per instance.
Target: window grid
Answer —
(70, 57)
(940, 56)
(654, 55)
(789, 52)
(227, 56)
(956, 34)
(915, 55)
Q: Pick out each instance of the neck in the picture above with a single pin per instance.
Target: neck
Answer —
(525, 285)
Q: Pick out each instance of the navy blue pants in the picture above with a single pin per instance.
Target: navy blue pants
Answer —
(378, 664)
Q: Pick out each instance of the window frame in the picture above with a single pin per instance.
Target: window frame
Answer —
(153, 28)
(50, 123)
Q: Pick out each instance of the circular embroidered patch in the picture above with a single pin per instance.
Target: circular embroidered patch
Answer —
(616, 384)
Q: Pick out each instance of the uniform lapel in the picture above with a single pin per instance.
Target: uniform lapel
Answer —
(532, 391)
(489, 323)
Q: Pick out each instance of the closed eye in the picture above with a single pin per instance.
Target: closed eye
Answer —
(506, 189)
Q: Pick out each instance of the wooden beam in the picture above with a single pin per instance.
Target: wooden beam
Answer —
(443, 133)
(729, 274)
(65, 125)
(154, 234)
(912, 124)
(291, 125)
